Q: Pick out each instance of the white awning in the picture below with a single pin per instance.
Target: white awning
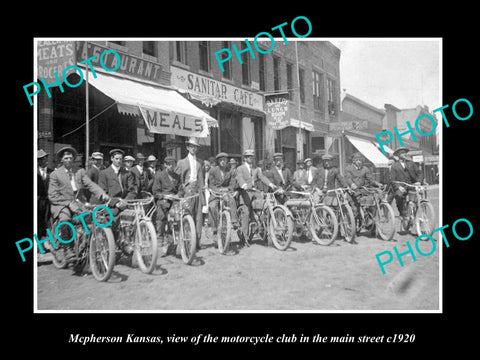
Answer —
(164, 111)
(369, 150)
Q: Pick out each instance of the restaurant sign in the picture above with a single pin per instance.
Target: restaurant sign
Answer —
(129, 64)
(207, 87)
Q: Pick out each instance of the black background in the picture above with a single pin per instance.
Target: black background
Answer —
(47, 334)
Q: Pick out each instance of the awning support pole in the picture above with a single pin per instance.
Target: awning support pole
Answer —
(87, 127)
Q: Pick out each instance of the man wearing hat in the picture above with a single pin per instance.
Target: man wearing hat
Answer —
(190, 170)
(279, 175)
(141, 174)
(97, 165)
(246, 177)
(43, 206)
(128, 162)
(406, 171)
(166, 182)
(300, 175)
(356, 176)
(222, 180)
(329, 176)
(65, 185)
(117, 181)
(151, 170)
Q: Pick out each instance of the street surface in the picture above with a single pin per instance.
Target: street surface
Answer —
(306, 276)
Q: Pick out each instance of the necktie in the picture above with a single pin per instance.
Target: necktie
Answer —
(119, 177)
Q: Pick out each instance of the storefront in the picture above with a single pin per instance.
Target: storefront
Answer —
(239, 112)
(132, 108)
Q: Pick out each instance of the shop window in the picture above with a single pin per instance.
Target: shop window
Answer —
(149, 48)
(181, 52)
(230, 133)
(301, 78)
(204, 55)
(245, 66)
(290, 85)
(261, 71)
(276, 73)
(317, 91)
(318, 143)
(332, 109)
(227, 74)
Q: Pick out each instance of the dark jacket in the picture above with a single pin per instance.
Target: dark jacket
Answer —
(221, 179)
(165, 184)
(333, 178)
(359, 177)
(109, 182)
(410, 174)
(275, 178)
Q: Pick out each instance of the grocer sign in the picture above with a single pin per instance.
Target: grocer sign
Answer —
(54, 57)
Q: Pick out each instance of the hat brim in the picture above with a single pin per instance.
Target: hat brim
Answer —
(60, 152)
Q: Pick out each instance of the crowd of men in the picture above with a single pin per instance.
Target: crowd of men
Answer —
(127, 177)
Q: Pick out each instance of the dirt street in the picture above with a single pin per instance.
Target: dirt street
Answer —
(306, 276)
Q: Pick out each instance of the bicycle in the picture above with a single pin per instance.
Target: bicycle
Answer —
(133, 221)
(376, 214)
(419, 209)
(180, 227)
(268, 215)
(94, 248)
(343, 212)
(317, 217)
(224, 226)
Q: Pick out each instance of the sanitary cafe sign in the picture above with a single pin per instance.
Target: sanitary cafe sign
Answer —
(203, 88)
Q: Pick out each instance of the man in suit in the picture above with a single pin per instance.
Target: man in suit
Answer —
(311, 173)
(141, 174)
(151, 170)
(300, 175)
(190, 170)
(43, 206)
(246, 176)
(221, 180)
(166, 182)
(356, 176)
(280, 176)
(406, 171)
(117, 182)
(97, 165)
(65, 185)
(328, 175)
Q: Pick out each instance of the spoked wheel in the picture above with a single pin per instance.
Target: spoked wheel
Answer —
(224, 232)
(146, 247)
(102, 253)
(188, 239)
(385, 221)
(281, 234)
(425, 218)
(243, 218)
(323, 225)
(405, 226)
(346, 223)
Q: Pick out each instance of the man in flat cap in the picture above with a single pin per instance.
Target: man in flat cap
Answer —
(246, 177)
(280, 176)
(151, 170)
(117, 182)
(356, 176)
(406, 171)
(43, 205)
(190, 170)
(221, 180)
(166, 182)
(311, 173)
(128, 162)
(300, 175)
(141, 174)
(66, 185)
(329, 176)
(96, 166)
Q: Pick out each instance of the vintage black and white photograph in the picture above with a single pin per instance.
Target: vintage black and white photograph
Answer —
(296, 174)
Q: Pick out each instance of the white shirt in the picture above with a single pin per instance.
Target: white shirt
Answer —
(43, 172)
(281, 175)
(309, 176)
(325, 180)
(116, 169)
(140, 169)
(72, 179)
(249, 168)
(193, 167)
